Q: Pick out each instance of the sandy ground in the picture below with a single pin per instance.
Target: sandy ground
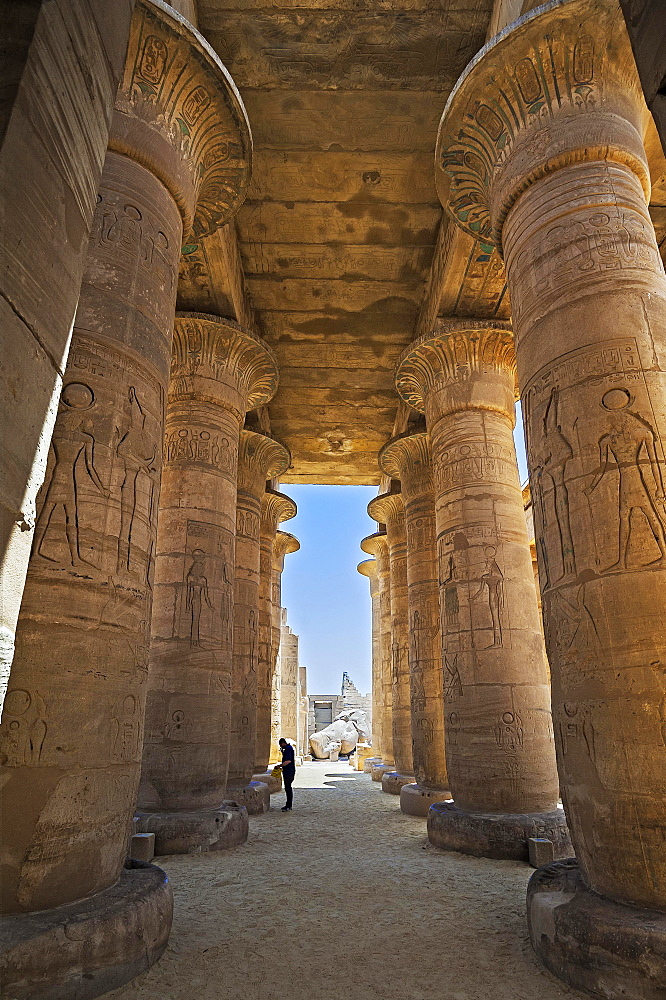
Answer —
(344, 899)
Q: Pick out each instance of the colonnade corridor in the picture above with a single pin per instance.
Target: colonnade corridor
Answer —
(345, 898)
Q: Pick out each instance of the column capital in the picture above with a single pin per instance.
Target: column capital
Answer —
(261, 454)
(277, 507)
(283, 544)
(407, 451)
(457, 351)
(179, 114)
(387, 508)
(559, 86)
(217, 349)
(375, 545)
(368, 567)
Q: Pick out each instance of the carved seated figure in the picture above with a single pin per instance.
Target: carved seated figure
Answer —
(346, 730)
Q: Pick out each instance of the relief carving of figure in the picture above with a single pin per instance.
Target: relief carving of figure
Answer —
(631, 443)
(492, 580)
(73, 437)
(555, 453)
(197, 595)
(137, 455)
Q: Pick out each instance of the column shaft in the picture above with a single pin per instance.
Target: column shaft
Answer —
(59, 93)
(218, 371)
(260, 458)
(73, 719)
(499, 741)
(382, 681)
(407, 458)
(275, 508)
(284, 543)
(589, 300)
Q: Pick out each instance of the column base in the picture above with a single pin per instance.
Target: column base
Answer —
(415, 799)
(393, 781)
(495, 835)
(379, 770)
(369, 763)
(195, 831)
(255, 796)
(608, 949)
(272, 781)
(87, 948)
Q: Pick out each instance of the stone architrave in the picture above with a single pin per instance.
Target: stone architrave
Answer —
(73, 718)
(62, 64)
(275, 508)
(368, 568)
(407, 459)
(388, 509)
(283, 545)
(499, 738)
(563, 194)
(260, 457)
(218, 372)
(377, 545)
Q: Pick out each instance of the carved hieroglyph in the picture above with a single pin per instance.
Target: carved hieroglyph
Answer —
(368, 568)
(407, 458)
(382, 688)
(284, 543)
(260, 457)
(73, 724)
(499, 740)
(555, 112)
(218, 372)
(388, 509)
(275, 508)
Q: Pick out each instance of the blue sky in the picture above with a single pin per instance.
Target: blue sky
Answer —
(328, 602)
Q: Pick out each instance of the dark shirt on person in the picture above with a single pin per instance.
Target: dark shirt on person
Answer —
(288, 761)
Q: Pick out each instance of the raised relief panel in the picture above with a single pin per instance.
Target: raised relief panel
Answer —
(204, 594)
(615, 456)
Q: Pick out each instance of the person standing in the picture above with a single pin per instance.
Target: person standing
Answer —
(288, 766)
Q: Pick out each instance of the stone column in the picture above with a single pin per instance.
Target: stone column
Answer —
(260, 457)
(499, 737)
(284, 544)
(377, 545)
(388, 509)
(407, 458)
(369, 568)
(73, 718)
(275, 508)
(567, 207)
(218, 372)
(62, 64)
(288, 681)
